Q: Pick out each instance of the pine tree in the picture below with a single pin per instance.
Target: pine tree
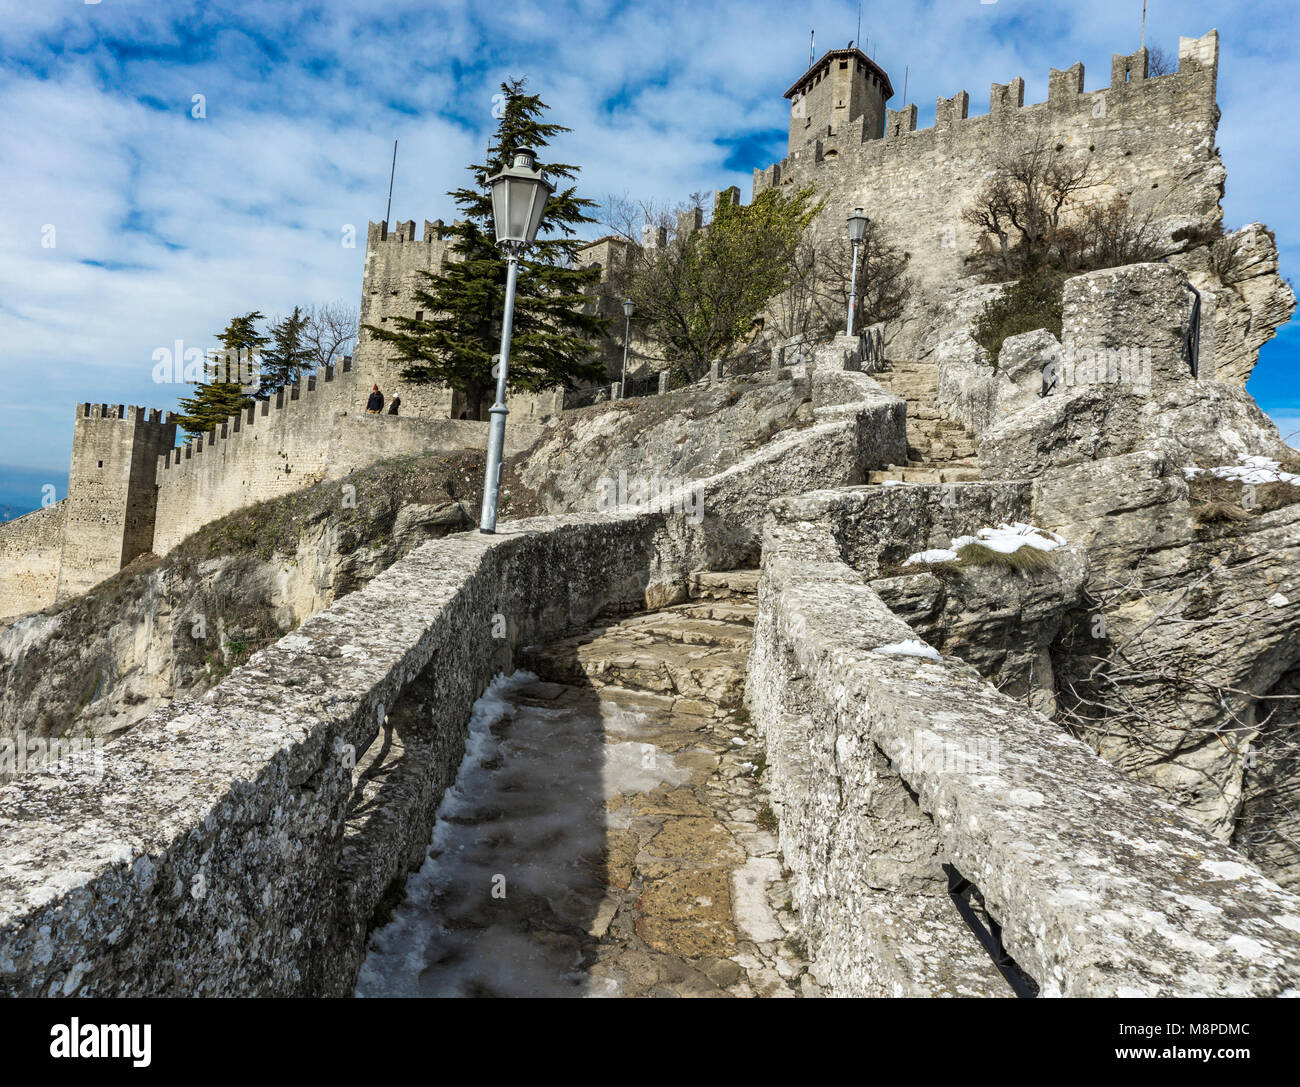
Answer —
(219, 397)
(288, 357)
(553, 336)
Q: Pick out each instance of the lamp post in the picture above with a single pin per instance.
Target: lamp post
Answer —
(857, 231)
(519, 195)
(628, 309)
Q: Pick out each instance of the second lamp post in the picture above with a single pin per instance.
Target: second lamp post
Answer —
(519, 195)
(857, 232)
(628, 309)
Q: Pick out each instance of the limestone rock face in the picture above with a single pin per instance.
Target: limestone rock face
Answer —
(1182, 625)
(172, 628)
(1109, 315)
(1249, 306)
(1201, 420)
(1002, 624)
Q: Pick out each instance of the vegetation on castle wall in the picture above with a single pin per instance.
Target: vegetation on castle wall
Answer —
(698, 296)
(1031, 303)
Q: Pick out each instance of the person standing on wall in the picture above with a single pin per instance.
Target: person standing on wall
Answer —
(376, 402)
(397, 403)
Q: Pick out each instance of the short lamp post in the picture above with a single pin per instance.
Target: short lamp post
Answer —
(519, 195)
(628, 309)
(857, 232)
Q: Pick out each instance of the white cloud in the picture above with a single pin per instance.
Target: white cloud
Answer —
(303, 103)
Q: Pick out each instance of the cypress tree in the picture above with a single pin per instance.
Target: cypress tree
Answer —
(456, 342)
(219, 397)
(287, 359)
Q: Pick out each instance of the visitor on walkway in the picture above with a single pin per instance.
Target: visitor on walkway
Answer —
(376, 402)
(397, 403)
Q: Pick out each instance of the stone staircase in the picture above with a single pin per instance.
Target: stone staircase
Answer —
(618, 799)
(938, 450)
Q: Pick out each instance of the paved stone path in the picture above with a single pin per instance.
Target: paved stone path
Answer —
(607, 834)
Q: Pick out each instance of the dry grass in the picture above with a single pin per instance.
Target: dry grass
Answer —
(1024, 560)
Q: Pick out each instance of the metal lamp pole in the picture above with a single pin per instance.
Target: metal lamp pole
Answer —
(628, 310)
(857, 231)
(519, 195)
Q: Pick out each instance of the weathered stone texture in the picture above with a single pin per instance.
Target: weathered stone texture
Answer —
(1101, 885)
(30, 547)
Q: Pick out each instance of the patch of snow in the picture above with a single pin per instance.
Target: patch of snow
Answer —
(1004, 538)
(908, 648)
(935, 554)
(1251, 470)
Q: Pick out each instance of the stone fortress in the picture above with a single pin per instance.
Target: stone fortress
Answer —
(907, 719)
(130, 492)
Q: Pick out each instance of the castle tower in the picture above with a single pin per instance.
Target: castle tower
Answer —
(112, 492)
(842, 90)
(394, 261)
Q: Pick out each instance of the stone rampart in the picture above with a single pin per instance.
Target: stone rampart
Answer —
(315, 431)
(29, 561)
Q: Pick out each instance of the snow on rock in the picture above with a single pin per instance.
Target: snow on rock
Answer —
(1005, 539)
(1251, 470)
(908, 648)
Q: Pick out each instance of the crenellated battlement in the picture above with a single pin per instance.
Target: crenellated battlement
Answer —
(302, 393)
(1197, 72)
(121, 413)
(402, 232)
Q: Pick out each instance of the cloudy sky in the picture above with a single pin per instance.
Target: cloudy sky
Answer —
(164, 224)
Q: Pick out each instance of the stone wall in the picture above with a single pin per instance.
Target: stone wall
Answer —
(306, 434)
(217, 854)
(30, 547)
(893, 774)
(1152, 140)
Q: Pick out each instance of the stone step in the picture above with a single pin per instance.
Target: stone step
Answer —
(959, 475)
(637, 660)
(722, 585)
(738, 609)
(675, 627)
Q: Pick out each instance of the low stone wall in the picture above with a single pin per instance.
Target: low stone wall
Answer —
(887, 768)
(236, 845)
(30, 547)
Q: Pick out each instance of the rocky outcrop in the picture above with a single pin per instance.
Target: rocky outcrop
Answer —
(1196, 421)
(1186, 623)
(1251, 300)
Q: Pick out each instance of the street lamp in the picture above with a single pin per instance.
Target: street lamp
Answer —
(857, 232)
(628, 309)
(519, 195)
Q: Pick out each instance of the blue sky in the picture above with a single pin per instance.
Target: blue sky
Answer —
(166, 224)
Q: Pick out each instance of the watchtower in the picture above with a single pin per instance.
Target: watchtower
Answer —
(844, 88)
(112, 491)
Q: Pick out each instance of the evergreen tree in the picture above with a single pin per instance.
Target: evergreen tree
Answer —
(224, 393)
(288, 357)
(553, 336)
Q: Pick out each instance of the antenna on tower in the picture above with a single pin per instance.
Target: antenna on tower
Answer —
(391, 174)
(859, 37)
(812, 47)
(1144, 24)
(905, 71)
